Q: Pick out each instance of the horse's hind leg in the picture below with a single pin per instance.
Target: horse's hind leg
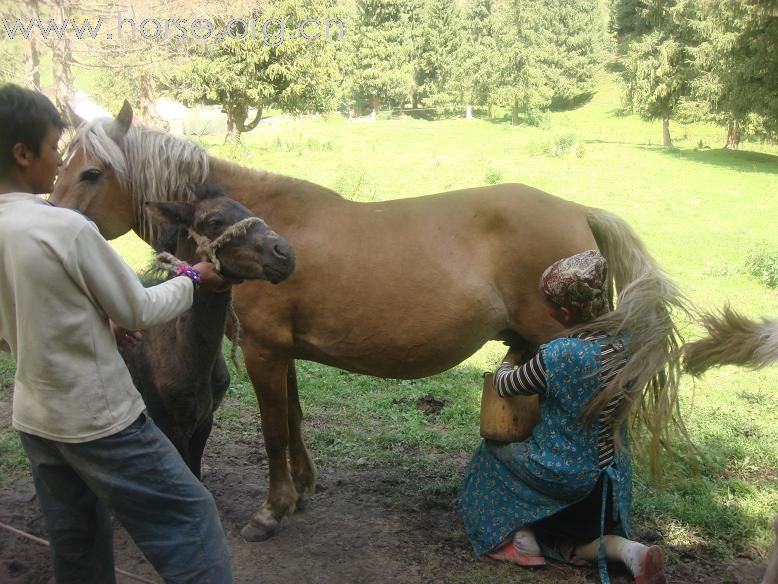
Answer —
(268, 375)
(303, 469)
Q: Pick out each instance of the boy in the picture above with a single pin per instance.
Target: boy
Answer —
(82, 423)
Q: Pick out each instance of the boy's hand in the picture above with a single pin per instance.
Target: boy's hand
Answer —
(210, 278)
(125, 339)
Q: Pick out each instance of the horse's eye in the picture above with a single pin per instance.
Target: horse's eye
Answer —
(90, 175)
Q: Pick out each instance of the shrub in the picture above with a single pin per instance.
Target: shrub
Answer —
(565, 142)
(538, 119)
(763, 264)
(493, 176)
(559, 145)
(353, 183)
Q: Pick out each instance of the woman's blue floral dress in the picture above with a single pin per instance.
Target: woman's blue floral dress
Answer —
(508, 486)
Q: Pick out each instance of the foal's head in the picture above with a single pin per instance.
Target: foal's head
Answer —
(227, 233)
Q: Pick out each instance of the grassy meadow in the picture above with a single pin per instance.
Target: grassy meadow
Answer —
(701, 211)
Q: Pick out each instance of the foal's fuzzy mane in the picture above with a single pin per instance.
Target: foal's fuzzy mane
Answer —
(152, 165)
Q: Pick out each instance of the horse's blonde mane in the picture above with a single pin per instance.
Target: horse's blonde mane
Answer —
(153, 166)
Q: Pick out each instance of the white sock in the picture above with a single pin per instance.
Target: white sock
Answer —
(632, 554)
(525, 543)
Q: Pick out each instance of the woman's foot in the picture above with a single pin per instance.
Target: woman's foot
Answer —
(652, 567)
(509, 553)
(521, 549)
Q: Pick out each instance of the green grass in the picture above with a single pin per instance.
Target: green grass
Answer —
(700, 211)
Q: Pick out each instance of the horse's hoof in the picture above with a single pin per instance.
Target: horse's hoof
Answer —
(259, 529)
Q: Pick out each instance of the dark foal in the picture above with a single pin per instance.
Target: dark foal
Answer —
(179, 367)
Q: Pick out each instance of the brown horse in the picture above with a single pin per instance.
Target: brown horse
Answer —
(402, 289)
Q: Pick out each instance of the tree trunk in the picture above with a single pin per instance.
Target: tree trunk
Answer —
(666, 141)
(147, 107)
(233, 130)
(375, 103)
(232, 136)
(469, 112)
(236, 110)
(34, 63)
(62, 57)
(515, 112)
(34, 53)
(733, 135)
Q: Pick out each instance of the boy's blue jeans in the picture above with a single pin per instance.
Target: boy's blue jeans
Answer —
(139, 476)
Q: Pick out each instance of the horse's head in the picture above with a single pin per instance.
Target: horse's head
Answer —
(93, 180)
(227, 233)
(113, 168)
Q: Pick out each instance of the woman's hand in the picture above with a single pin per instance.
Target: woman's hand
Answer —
(514, 357)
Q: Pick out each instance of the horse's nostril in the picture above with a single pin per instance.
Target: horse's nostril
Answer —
(280, 251)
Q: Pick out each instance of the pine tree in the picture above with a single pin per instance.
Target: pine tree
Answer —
(272, 68)
(658, 68)
(477, 75)
(441, 27)
(527, 48)
(549, 50)
(382, 68)
(627, 19)
(736, 67)
(578, 35)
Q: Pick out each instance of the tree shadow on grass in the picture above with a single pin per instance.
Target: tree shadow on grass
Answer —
(740, 160)
(709, 511)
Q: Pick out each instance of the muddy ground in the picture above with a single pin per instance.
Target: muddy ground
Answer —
(356, 529)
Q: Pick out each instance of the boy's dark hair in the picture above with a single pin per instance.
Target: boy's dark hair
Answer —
(25, 117)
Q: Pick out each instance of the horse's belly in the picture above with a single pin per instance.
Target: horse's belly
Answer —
(409, 362)
(405, 348)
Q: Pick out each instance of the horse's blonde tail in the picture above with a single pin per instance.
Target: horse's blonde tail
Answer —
(647, 300)
(733, 339)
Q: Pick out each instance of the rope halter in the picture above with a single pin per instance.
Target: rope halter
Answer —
(208, 248)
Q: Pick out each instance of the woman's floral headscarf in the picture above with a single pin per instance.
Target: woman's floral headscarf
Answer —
(580, 281)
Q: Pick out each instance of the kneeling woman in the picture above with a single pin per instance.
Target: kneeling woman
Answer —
(569, 483)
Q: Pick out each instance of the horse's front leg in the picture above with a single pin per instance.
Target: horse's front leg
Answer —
(268, 375)
(303, 469)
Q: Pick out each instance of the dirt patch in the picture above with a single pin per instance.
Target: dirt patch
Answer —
(355, 529)
(428, 405)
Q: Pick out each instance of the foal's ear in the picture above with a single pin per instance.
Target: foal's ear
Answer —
(175, 213)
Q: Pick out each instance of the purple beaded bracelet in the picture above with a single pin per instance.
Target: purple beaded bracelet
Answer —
(191, 273)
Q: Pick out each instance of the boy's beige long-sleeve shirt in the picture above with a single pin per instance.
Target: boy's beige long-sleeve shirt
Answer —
(60, 283)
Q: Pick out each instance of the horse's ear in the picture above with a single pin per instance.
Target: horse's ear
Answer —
(178, 213)
(74, 119)
(124, 117)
